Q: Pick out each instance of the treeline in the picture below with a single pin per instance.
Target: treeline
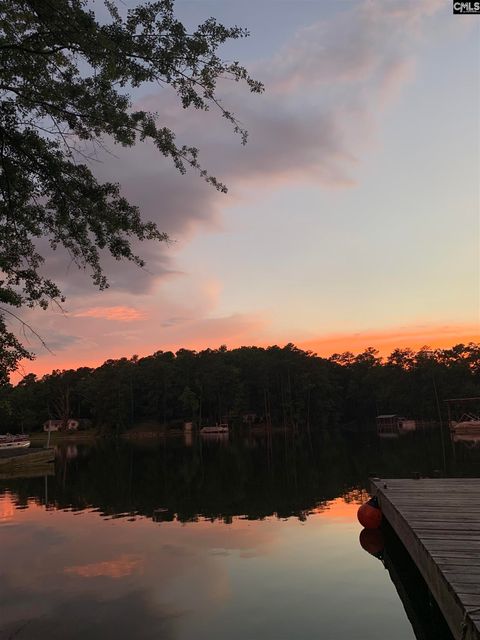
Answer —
(278, 386)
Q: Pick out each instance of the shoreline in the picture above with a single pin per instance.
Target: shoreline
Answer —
(41, 437)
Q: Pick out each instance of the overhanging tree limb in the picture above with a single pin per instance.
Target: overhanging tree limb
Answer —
(64, 81)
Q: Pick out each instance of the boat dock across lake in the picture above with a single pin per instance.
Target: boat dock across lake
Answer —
(438, 522)
(15, 458)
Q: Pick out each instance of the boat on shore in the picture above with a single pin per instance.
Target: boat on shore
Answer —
(14, 441)
(218, 428)
(467, 429)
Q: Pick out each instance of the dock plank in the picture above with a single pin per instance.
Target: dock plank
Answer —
(438, 521)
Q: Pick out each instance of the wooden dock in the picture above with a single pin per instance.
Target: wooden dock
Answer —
(15, 458)
(438, 522)
(31, 471)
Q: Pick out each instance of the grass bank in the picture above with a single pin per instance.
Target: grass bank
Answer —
(41, 437)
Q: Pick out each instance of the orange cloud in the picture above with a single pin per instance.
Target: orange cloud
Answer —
(243, 330)
(120, 314)
(123, 566)
(435, 336)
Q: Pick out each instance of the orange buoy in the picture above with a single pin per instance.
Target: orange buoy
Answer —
(372, 541)
(369, 514)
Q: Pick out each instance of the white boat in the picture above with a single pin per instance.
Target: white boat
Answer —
(15, 441)
(218, 428)
(467, 429)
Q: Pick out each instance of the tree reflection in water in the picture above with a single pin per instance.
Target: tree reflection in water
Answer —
(247, 477)
(217, 478)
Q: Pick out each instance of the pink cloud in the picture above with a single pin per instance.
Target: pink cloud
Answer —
(359, 46)
(120, 314)
(124, 565)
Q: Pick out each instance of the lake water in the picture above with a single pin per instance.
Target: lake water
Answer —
(206, 539)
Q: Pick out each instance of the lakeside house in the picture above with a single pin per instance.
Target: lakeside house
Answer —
(61, 425)
(393, 425)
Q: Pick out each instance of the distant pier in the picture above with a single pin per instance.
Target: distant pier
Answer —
(438, 522)
(15, 458)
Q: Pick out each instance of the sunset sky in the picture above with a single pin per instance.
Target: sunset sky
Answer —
(352, 217)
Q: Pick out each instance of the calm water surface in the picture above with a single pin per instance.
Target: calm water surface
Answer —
(209, 539)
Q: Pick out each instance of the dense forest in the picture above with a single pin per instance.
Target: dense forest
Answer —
(274, 386)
